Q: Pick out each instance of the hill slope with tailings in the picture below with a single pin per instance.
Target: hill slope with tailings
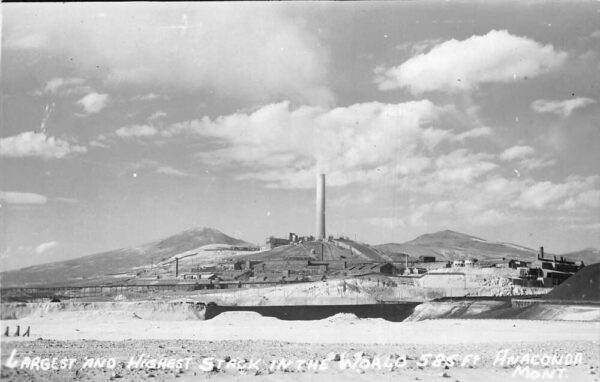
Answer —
(118, 261)
(582, 286)
(340, 250)
(450, 245)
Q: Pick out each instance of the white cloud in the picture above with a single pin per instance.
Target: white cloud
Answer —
(54, 85)
(13, 197)
(571, 194)
(489, 217)
(462, 166)
(589, 226)
(542, 194)
(517, 152)
(590, 198)
(94, 102)
(358, 143)
(98, 143)
(136, 131)
(562, 108)
(417, 218)
(31, 144)
(157, 115)
(524, 155)
(45, 247)
(25, 42)
(497, 200)
(474, 211)
(418, 47)
(470, 204)
(585, 199)
(168, 170)
(535, 163)
(68, 86)
(259, 52)
(455, 65)
(65, 200)
(482, 131)
(146, 97)
(158, 168)
(386, 222)
(494, 200)
(363, 198)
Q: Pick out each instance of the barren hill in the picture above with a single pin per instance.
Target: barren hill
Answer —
(450, 245)
(339, 250)
(588, 256)
(118, 261)
(310, 250)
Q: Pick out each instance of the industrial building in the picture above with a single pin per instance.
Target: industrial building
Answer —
(274, 242)
(555, 271)
(370, 268)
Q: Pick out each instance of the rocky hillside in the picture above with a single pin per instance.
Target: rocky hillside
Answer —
(115, 262)
(450, 245)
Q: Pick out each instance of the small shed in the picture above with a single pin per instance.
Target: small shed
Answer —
(470, 262)
(514, 264)
(458, 263)
(207, 276)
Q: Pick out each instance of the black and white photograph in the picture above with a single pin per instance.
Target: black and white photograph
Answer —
(300, 191)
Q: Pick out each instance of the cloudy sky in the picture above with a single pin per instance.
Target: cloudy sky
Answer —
(124, 123)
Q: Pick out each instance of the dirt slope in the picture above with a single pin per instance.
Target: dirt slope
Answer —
(582, 286)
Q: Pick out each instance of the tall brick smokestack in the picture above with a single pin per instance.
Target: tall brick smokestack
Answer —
(320, 235)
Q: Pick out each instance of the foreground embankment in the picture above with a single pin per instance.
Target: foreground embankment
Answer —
(148, 310)
(345, 328)
(404, 311)
(498, 309)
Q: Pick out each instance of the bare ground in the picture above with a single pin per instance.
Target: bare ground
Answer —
(249, 336)
(267, 351)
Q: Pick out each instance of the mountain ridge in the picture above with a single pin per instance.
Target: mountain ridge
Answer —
(587, 255)
(445, 245)
(450, 245)
(118, 261)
